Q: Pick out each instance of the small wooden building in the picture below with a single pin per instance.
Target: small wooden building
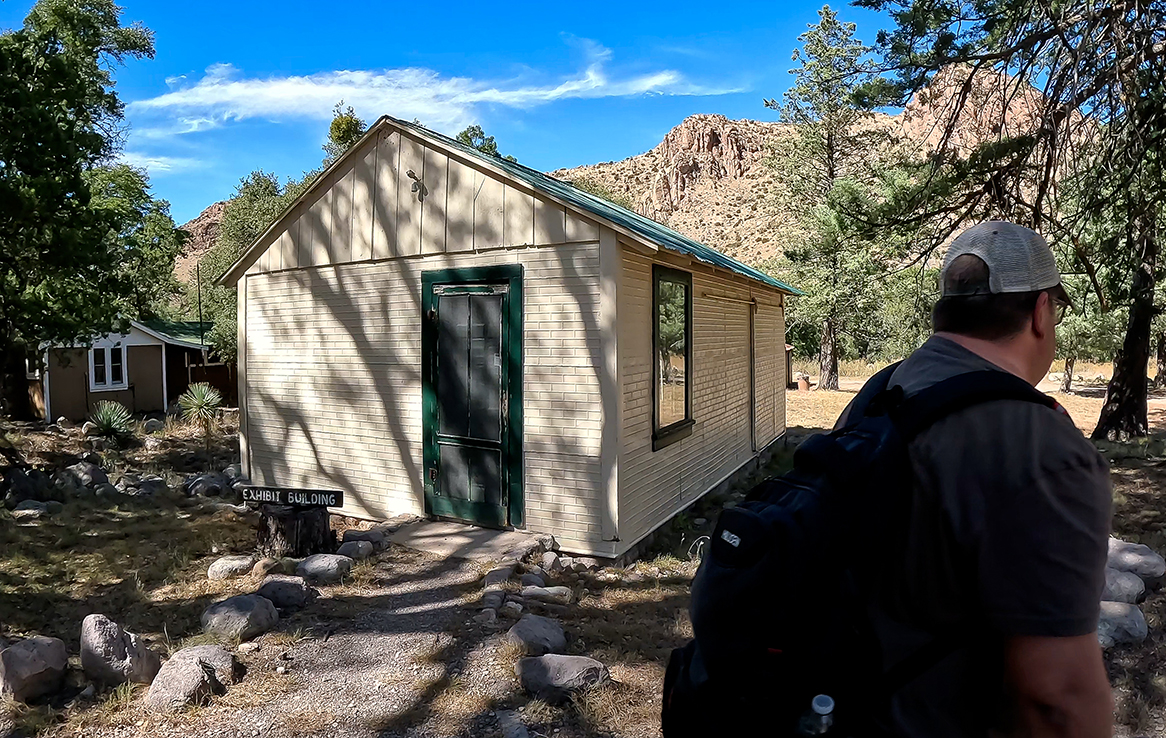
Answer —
(145, 369)
(438, 331)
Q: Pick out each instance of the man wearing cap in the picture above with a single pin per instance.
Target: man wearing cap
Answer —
(1006, 549)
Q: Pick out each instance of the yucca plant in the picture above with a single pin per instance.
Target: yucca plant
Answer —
(200, 404)
(112, 419)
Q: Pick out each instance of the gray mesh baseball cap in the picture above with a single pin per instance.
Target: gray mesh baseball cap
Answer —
(1018, 259)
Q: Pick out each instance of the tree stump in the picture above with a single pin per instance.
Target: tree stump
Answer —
(294, 531)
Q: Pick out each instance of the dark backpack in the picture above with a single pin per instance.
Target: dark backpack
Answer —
(780, 603)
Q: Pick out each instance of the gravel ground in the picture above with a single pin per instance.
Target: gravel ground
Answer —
(392, 654)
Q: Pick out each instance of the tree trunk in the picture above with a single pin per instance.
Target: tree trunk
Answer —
(1124, 414)
(1067, 380)
(292, 531)
(13, 384)
(1160, 378)
(828, 357)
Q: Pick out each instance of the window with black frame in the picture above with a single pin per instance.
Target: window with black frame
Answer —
(672, 349)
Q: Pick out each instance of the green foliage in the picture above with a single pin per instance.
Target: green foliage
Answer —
(475, 137)
(144, 233)
(259, 199)
(200, 404)
(62, 277)
(112, 419)
(597, 188)
(344, 131)
(1081, 162)
(829, 166)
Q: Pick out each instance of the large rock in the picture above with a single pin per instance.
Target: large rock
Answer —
(30, 510)
(355, 550)
(207, 485)
(554, 677)
(86, 474)
(113, 656)
(230, 566)
(550, 562)
(191, 677)
(18, 486)
(1136, 559)
(536, 635)
(1123, 586)
(242, 617)
(532, 580)
(324, 568)
(559, 595)
(150, 486)
(375, 537)
(286, 593)
(1120, 623)
(33, 668)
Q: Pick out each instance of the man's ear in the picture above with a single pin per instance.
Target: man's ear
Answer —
(1042, 316)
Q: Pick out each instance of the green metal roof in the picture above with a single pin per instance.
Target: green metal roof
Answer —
(188, 331)
(646, 227)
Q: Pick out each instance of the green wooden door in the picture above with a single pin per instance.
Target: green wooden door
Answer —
(472, 369)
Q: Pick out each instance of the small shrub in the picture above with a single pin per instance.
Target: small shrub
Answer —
(200, 404)
(112, 419)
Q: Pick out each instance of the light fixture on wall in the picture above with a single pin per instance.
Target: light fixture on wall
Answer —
(418, 186)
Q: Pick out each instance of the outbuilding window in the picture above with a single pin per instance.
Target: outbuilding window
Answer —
(672, 349)
(107, 368)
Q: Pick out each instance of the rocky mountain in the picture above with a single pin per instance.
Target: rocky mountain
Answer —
(204, 231)
(709, 178)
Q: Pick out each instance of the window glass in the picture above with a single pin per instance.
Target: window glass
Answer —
(116, 368)
(99, 367)
(673, 356)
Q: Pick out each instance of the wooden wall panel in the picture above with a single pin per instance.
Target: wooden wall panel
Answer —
(433, 208)
(408, 204)
(550, 221)
(384, 234)
(518, 224)
(580, 228)
(291, 247)
(363, 201)
(489, 212)
(340, 244)
(459, 224)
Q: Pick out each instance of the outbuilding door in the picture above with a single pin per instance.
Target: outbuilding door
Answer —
(472, 394)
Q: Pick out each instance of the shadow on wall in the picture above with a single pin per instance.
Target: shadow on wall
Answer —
(375, 336)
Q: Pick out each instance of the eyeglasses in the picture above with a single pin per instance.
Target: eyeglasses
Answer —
(1062, 309)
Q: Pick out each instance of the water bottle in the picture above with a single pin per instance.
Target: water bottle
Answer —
(818, 719)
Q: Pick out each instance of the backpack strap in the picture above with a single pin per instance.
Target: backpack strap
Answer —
(919, 411)
(871, 398)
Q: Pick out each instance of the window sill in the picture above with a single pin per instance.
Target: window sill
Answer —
(114, 388)
(672, 434)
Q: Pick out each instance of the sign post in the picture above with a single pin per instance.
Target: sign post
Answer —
(293, 522)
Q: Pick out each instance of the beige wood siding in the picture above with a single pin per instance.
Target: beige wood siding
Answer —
(332, 353)
(333, 396)
(368, 209)
(654, 485)
(769, 364)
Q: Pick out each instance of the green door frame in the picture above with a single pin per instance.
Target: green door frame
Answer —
(510, 275)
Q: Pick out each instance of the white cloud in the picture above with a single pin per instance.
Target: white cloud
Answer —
(442, 102)
(159, 164)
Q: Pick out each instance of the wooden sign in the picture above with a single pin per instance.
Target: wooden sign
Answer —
(293, 497)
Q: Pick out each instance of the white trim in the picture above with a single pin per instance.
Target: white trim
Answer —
(610, 382)
(29, 371)
(109, 386)
(48, 406)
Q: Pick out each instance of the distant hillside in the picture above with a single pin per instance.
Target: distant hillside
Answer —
(204, 231)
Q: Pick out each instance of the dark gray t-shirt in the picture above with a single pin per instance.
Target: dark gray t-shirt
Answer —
(1008, 536)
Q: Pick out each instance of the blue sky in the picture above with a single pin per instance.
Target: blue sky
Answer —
(237, 86)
